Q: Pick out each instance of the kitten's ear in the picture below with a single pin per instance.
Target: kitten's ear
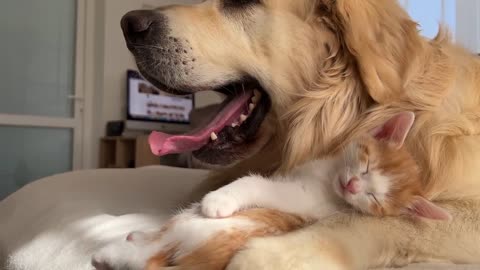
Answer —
(395, 129)
(422, 207)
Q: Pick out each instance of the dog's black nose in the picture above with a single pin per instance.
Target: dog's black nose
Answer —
(136, 25)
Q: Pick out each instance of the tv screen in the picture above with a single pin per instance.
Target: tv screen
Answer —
(148, 103)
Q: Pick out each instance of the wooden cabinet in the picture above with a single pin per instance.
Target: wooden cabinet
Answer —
(126, 152)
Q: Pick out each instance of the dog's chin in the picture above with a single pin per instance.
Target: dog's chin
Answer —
(240, 138)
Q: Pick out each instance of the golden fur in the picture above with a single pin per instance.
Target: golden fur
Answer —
(335, 69)
(370, 63)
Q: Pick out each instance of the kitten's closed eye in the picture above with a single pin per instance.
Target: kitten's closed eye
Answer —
(368, 167)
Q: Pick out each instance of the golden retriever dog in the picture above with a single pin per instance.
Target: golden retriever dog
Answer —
(324, 71)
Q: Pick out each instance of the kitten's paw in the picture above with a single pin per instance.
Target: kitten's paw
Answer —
(100, 264)
(106, 260)
(136, 237)
(219, 204)
(121, 255)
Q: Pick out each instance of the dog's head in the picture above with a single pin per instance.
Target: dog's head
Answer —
(282, 49)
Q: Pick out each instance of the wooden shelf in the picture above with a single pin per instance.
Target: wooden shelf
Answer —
(126, 152)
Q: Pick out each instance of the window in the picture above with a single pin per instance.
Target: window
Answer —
(431, 13)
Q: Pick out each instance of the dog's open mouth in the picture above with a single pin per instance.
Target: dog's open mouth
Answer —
(236, 124)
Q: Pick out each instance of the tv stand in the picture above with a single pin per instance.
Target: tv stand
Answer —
(132, 152)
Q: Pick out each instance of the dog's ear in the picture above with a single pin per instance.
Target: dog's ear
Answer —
(382, 38)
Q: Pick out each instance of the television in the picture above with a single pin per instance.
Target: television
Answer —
(150, 108)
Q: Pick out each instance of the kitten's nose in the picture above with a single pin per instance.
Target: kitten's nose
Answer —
(353, 185)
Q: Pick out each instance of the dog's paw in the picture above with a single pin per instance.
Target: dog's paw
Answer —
(219, 204)
(276, 253)
(260, 254)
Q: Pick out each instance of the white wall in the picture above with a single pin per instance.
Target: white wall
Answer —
(110, 63)
(461, 16)
(468, 24)
(430, 13)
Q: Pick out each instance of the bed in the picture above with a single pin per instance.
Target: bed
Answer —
(57, 223)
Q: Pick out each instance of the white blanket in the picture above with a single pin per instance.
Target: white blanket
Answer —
(58, 223)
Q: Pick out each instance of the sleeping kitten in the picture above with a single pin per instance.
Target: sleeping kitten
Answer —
(374, 174)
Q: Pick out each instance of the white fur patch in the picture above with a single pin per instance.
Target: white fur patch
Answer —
(189, 231)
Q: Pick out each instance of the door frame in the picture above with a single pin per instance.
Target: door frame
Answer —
(74, 123)
(80, 91)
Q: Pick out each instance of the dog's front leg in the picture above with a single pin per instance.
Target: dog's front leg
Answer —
(351, 242)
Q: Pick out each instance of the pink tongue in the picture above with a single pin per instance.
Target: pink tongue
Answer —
(163, 144)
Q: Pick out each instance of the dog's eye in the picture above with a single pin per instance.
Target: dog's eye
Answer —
(239, 3)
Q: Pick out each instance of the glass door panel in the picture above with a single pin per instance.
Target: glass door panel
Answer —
(39, 113)
(38, 57)
(31, 153)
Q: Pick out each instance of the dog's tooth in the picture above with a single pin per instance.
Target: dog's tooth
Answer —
(251, 107)
(243, 118)
(213, 136)
(234, 124)
(257, 94)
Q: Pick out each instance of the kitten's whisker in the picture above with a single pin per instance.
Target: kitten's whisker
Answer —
(376, 200)
(344, 155)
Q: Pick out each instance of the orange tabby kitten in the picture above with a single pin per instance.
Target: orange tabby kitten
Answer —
(374, 174)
